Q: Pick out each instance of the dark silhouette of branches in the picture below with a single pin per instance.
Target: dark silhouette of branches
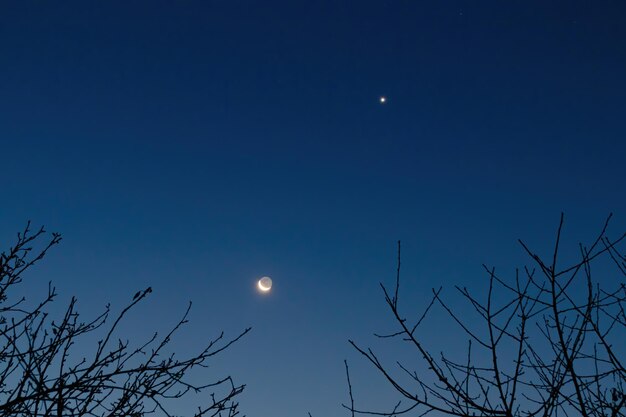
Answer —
(43, 374)
(550, 342)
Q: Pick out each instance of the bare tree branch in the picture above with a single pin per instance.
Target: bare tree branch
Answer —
(43, 374)
(549, 343)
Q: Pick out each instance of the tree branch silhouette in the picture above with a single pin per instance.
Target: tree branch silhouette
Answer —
(43, 374)
(548, 343)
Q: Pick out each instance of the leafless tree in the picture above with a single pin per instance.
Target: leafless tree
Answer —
(550, 342)
(43, 374)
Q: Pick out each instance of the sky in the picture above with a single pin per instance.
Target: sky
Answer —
(195, 146)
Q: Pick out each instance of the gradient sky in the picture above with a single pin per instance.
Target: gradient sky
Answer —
(195, 146)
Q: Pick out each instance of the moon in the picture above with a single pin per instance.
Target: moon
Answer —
(265, 284)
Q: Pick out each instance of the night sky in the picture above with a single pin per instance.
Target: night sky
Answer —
(195, 146)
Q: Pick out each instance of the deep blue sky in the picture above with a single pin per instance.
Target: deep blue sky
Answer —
(195, 146)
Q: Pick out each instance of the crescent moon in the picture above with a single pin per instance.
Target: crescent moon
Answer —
(265, 287)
